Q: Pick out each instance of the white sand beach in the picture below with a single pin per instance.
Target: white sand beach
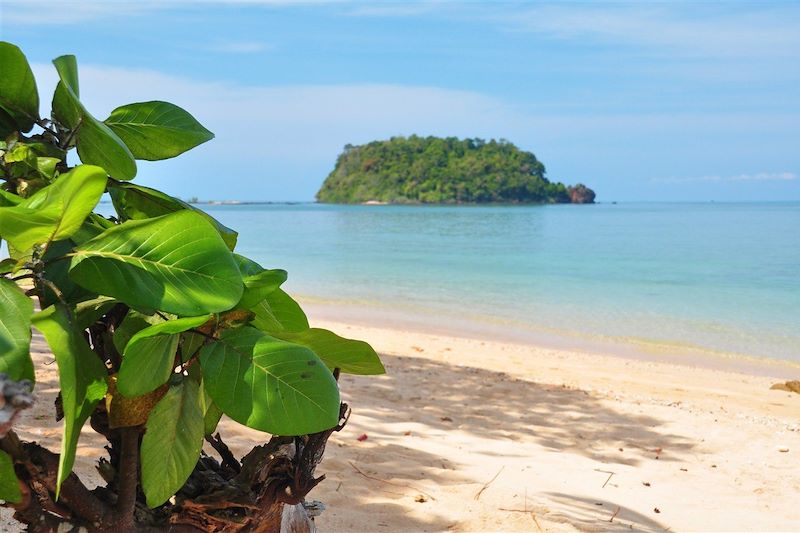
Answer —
(470, 435)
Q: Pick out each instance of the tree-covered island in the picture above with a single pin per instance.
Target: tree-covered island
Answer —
(434, 170)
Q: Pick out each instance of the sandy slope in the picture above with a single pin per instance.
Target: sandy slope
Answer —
(558, 441)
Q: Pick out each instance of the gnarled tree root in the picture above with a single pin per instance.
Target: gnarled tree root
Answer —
(264, 493)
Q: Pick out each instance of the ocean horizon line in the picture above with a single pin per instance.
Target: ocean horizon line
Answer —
(235, 202)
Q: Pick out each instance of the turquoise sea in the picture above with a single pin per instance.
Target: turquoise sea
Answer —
(644, 277)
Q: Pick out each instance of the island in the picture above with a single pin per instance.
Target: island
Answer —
(435, 170)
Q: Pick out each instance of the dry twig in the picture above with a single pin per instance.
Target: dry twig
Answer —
(533, 515)
(486, 485)
(610, 475)
(357, 469)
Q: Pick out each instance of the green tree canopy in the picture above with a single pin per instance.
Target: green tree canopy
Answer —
(439, 170)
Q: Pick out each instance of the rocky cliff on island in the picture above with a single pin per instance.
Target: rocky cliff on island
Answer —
(433, 170)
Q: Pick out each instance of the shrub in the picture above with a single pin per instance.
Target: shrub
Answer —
(157, 325)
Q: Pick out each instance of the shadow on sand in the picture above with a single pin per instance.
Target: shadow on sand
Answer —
(490, 405)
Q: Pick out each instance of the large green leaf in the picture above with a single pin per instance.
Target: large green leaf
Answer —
(64, 109)
(149, 358)
(56, 270)
(7, 124)
(9, 199)
(348, 355)
(97, 144)
(269, 384)
(176, 263)
(54, 212)
(136, 202)
(157, 130)
(172, 442)
(82, 377)
(9, 485)
(279, 312)
(16, 310)
(18, 94)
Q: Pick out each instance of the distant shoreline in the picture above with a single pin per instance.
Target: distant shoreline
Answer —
(463, 204)
(362, 314)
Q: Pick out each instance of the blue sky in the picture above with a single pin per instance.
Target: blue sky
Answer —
(642, 101)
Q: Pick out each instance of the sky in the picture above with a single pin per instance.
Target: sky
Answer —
(672, 101)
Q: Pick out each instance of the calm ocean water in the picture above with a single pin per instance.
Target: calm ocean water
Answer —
(683, 277)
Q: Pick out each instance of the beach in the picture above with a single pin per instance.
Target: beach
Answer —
(464, 434)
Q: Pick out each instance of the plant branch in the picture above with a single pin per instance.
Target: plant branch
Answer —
(128, 479)
(65, 144)
(224, 452)
(45, 125)
(40, 467)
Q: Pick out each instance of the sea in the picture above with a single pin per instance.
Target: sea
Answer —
(685, 279)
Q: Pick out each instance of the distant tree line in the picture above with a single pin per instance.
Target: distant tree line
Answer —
(434, 170)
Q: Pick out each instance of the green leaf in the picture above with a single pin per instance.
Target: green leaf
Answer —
(9, 199)
(9, 485)
(149, 357)
(97, 144)
(348, 355)
(56, 271)
(64, 109)
(16, 310)
(211, 418)
(133, 323)
(269, 384)
(46, 166)
(90, 311)
(279, 312)
(93, 226)
(172, 442)
(211, 413)
(258, 281)
(7, 124)
(191, 344)
(9, 265)
(258, 286)
(176, 263)
(136, 202)
(54, 212)
(157, 130)
(82, 377)
(18, 94)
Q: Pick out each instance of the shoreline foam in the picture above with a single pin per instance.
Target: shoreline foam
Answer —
(673, 352)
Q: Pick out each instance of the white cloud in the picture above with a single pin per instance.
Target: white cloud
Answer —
(280, 141)
(397, 9)
(65, 12)
(291, 132)
(238, 47)
(50, 12)
(291, 119)
(691, 29)
(759, 176)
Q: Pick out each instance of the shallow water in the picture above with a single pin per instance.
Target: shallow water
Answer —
(681, 277)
